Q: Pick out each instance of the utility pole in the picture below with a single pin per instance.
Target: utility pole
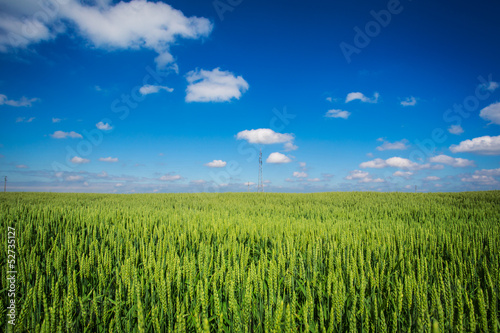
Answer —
(260, 185)
(415, 188)
(5, 185)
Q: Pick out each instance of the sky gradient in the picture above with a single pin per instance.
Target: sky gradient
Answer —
(180, 96)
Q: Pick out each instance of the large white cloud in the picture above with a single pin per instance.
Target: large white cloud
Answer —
(125, 25)
(484, 145)
(454, 162)
(359, 96)
(395, 162)
(491, 113)
(264, 136)
(214, 86)
(278, 158)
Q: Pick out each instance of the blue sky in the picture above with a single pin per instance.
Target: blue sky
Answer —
(180, 96)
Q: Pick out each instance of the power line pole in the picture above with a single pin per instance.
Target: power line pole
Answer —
(260, 187)
(5, 185)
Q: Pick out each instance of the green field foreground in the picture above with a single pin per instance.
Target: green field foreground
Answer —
(253, 262)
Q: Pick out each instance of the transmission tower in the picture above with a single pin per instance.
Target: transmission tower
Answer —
(260, 185)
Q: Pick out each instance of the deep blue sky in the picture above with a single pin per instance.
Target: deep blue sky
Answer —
(233, 73)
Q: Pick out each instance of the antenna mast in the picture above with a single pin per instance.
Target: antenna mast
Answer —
(260, 187)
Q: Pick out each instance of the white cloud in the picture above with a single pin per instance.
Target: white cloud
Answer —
(455, 129)
(337, 114)
(24, 120)
(491, 86)
(290, 146)
(56, 120)
(73, 178)
(357, 174)
(109, 159)
(396, 162)
(359, 96)
(21, 166)
(488, 172)
(278, 158)
(265, 136)
(79, 160)
(214, 86)
(152, 89)
(484, 145)
(103, 174)
(491, 113)
(104, 126)
(313, 180)
(64, 135)
(404, 174)
(432, 178)
(21, 102)
(198, 181)
(409, 101)
(137, 24)
(170, 178)
(371, 180)
(480, 180)
(398, 145)
(216, 164)
(298, 174)
(454, 162)
(249, 184)
(302, 164)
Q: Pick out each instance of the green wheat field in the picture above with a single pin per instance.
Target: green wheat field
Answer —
(252, 262)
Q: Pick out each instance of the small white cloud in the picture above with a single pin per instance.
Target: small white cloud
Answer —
(79, 160)
(329, 99)
(265, 136)
(109, 159)
(19, 103)
(103, 174)
(214, 86)
(454, 162)
(359, 96)
(313, 180)
(404, 174)
(432, 178)
(395, 162)
(357, 174)
(371, 180)
(484, 145)
(119, 185)
(302, 165)
(337, 114)
(249, 184)
(298, 174)
(198, 181)
(103, 126)
(455, 129)
(278, 158)
(73, 178)
(491, 113)
(21, 166)
(64, 135)
(152, 89)
(409, 101)
(216, 164)
(56, 120)
(170, 178)
(398, 145)
(290, 146)
(490, 86)
(24, 120)
(478, 179)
